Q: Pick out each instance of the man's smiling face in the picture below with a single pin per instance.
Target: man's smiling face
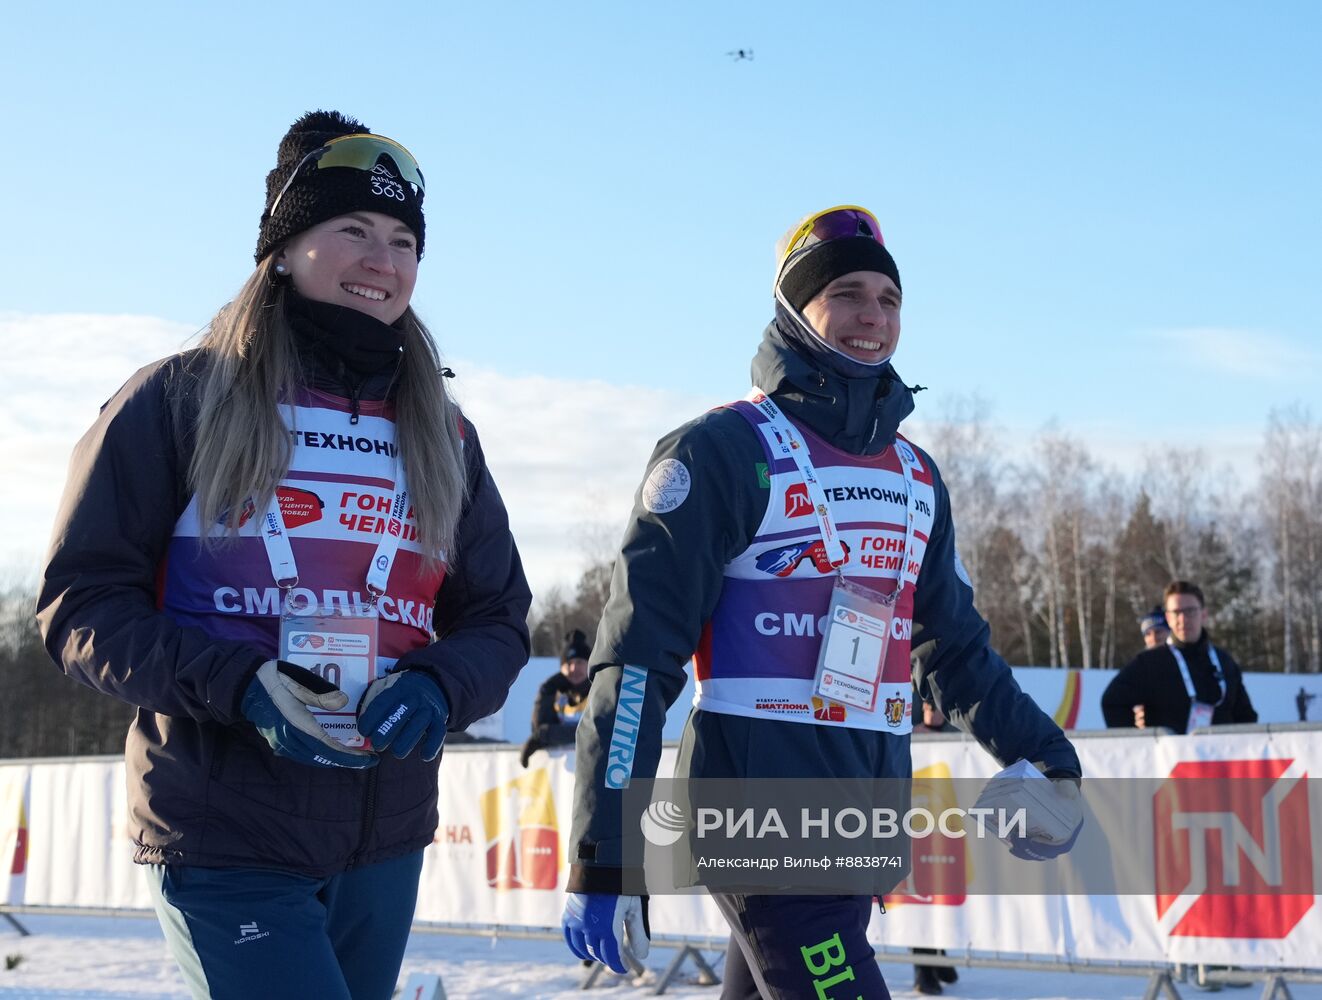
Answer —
(858, 314)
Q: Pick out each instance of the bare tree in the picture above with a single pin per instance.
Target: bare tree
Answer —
(1291, 486)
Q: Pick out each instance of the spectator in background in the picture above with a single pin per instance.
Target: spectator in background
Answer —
(1301, 701)
(1153, 627)
(1184, 685)
(927, 979)
(931, 720)
(560, 699)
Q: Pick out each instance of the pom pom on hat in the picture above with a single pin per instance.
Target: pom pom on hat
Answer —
(576, 647)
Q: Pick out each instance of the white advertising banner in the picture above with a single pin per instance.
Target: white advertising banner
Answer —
(500, 855)
(79, 852)
(13, 830)
(1197, 920)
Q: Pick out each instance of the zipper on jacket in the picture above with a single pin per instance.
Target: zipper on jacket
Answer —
(354, 392)
(355, 389)
(369, 818)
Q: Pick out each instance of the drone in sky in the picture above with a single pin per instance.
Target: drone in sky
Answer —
(741, 54)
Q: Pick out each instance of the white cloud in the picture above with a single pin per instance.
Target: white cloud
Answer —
(567, 454)
(1249, 353)
(57, 370)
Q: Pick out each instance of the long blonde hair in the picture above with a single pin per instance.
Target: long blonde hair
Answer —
(243, 446)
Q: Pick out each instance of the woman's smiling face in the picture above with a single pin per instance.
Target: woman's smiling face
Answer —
(364, 260)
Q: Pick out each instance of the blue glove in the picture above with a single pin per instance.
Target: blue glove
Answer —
(277, 702)
(595, 923)
(1028, 849)
(400, 710)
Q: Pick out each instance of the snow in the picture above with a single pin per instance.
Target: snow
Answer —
(124, 958)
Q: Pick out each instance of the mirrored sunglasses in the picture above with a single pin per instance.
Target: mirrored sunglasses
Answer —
(834, 224)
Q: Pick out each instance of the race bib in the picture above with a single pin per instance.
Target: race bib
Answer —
(339, 646)
(854, 645)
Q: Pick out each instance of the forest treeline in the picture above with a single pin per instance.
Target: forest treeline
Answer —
(1065, 551)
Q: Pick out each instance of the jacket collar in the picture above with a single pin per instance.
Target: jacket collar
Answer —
(857, 415)
(1200, 644)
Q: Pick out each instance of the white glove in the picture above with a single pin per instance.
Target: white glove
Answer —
(1053, 810)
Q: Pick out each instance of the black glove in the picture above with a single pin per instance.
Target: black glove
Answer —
(529, 748)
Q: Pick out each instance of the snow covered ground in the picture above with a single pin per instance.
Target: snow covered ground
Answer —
(124, 958)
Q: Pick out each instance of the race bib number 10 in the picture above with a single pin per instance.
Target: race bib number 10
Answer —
(339, 646)
(854, 645)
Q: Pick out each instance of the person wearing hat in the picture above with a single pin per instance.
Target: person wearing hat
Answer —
(1154, 628)
(1186, 683)
(746, 519)
(286, 550)
(560, 699)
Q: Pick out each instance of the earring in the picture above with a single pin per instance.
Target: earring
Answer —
(280, 269)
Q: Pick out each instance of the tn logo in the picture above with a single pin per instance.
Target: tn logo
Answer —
(797, 503)
(1224, 831)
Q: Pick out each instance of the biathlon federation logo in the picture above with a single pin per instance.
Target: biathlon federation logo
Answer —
(663, 823)
(785, 560)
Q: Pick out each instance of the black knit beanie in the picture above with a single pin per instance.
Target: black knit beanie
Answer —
(318, 194)
(808, 271)
(576, 647)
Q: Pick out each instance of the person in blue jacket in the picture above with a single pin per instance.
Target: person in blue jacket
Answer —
(750, 523)
(286, 550)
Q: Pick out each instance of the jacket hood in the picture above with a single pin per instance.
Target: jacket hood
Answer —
(857, 415)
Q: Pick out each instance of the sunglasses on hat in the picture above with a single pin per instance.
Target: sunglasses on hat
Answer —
(361, 152)
(833, 224)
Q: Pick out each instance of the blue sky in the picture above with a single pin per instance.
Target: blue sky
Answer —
(1105, 215)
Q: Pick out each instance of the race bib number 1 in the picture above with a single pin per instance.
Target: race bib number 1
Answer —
(338, 646)
(854, 645)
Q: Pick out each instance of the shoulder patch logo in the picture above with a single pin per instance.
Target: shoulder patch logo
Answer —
(763, 476)
(667, 486)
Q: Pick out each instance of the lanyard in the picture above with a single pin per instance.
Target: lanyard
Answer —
(281, 554)
(791, 448)
(1188, 681)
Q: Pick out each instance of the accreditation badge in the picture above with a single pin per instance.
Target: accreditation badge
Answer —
(1200, 716)
(340, 646)
(858, 629)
